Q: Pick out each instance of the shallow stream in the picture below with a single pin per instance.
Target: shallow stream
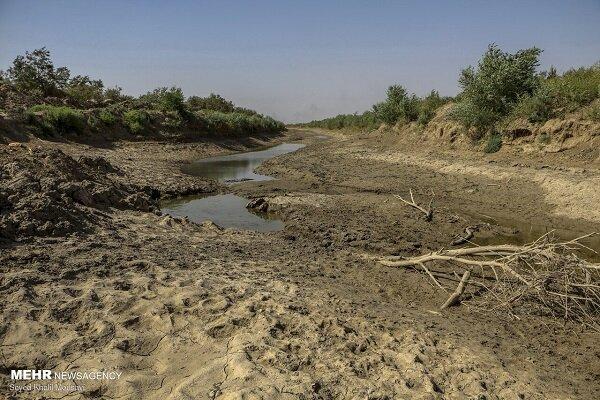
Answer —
(228, 210)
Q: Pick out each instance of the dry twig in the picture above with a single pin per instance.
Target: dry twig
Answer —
(427, 211)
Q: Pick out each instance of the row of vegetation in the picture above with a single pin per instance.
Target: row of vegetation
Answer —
(53, 103)
(502, 88)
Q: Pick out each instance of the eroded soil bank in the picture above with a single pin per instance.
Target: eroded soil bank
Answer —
(194, 311)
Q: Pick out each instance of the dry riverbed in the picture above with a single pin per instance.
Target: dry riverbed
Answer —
(190, 310)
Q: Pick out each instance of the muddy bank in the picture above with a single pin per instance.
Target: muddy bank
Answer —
(195, 311)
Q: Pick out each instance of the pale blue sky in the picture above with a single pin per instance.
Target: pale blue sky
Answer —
(294, 60)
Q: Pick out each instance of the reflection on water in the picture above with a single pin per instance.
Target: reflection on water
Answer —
(227, 211)
(237, 167)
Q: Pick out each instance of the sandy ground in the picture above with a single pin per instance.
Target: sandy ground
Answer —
(192, 311)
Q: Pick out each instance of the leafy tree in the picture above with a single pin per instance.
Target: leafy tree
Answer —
(213, 102)
(114, 94)
(492, 89)
(85, 91)
(398, 106)
(166, 99)
(35, 72)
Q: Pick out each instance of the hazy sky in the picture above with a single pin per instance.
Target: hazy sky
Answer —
(294, 60)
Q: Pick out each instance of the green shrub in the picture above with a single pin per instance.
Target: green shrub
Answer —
(398, 106)
(493, 144)
(238, 123)
(58, 120)
(213, 102)
(366, 120)
(428, 106)
(107, 117)
(84, 91)
(575, 88)
(593, 113)
(471, 116)
(136, 121)
(114, 95)
(35, 71)
(537, 107)
(492, 89)
(173, 120)
(166, 99)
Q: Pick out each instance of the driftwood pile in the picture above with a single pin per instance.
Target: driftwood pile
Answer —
(544, 277)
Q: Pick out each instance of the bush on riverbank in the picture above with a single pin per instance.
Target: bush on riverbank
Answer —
(53, 120)
(502, 89)
(399, 106)
(50, 102)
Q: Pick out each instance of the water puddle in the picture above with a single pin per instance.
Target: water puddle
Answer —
(238, 167)
(229, 211)
(225, 210)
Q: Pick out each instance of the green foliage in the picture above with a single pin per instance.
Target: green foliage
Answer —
(57, 120)
(558, 95)
(428, 106)
(493, 144)
(472, 116)
(535, 108)
(213, 102)
(366, 120)
(491, 91)
(236, 123)
(114, 95)
(173, 120)
(35, 72)
(246, 111)
(32, 80)
(84, 91)
(575, 88)
(107, 117)
(136, 121)
(544, 138)
(593, 113)
(398, 106)
(93, 121)
(165, 99)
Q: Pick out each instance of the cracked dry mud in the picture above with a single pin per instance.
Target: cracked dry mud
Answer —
(192, 311)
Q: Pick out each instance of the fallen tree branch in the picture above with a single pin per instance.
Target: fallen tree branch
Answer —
(427, 211)
(446, 257)
(546, 275)
(455, 297)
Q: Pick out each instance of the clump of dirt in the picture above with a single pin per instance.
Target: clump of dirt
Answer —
(44, 192)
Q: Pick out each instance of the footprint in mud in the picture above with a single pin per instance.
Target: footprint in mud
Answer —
(141, 345)
(96, 334)
(225, 326)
